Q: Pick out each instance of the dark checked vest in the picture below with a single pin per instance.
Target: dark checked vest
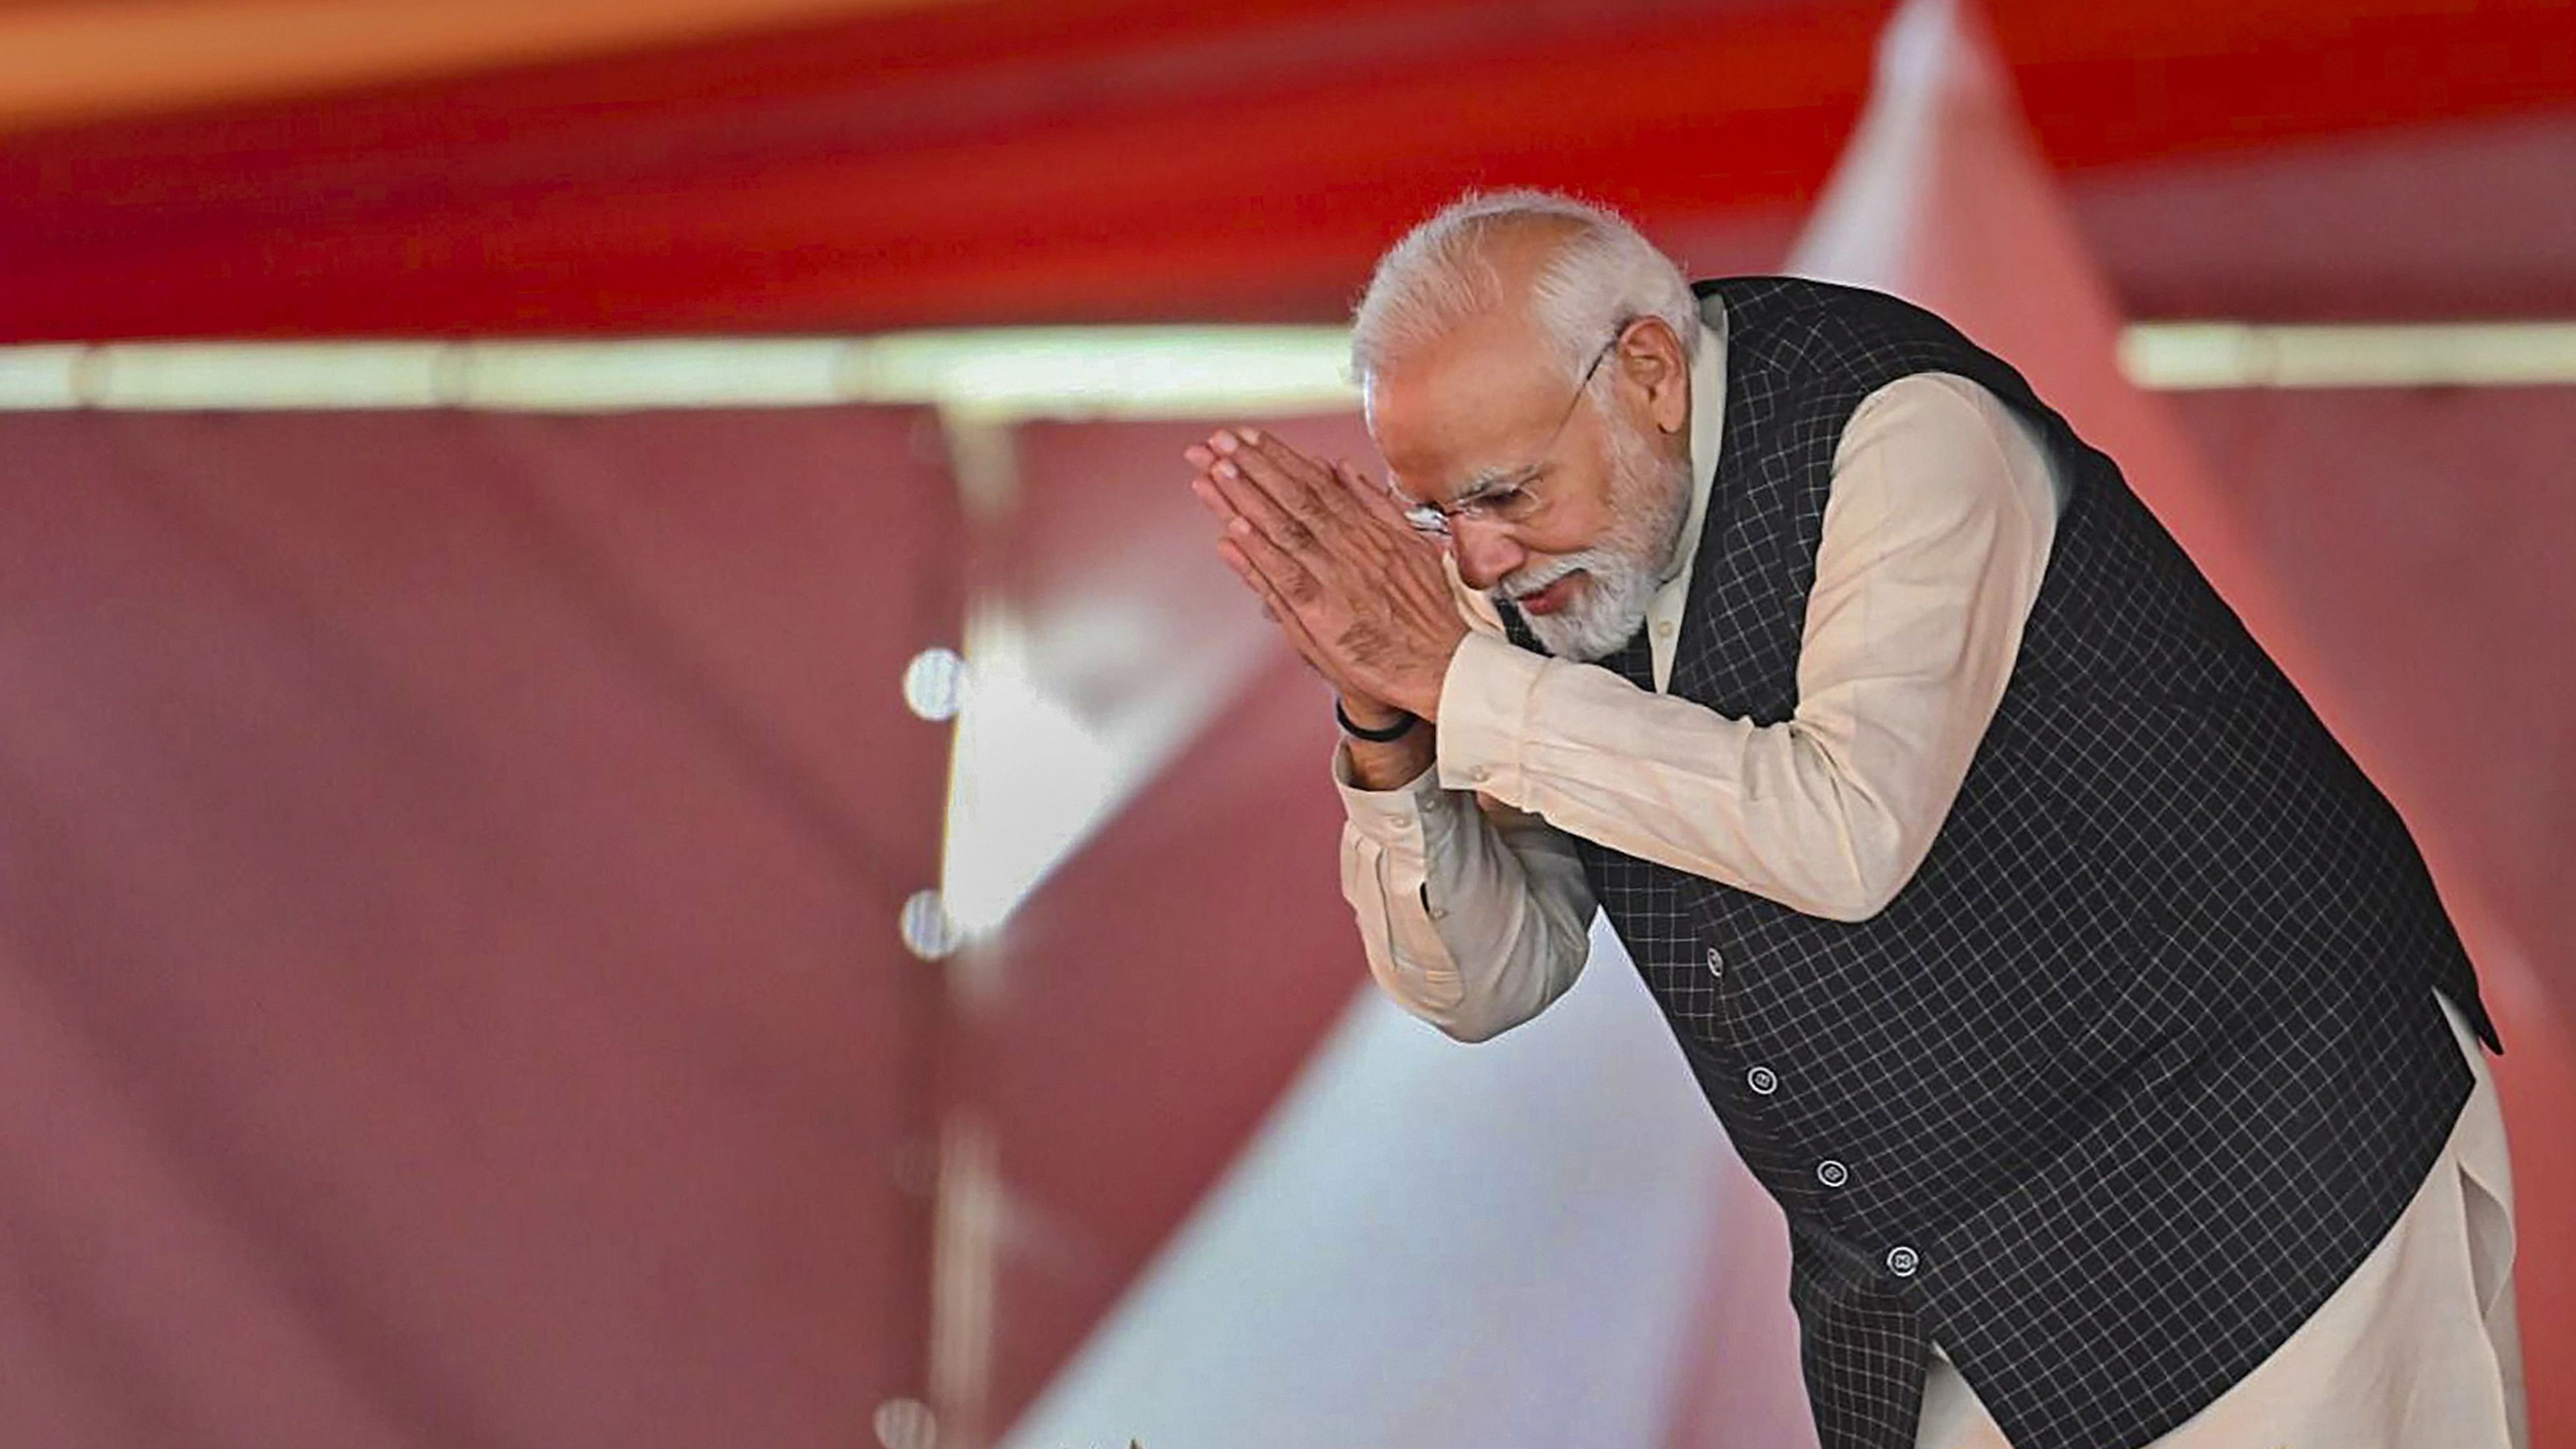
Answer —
(2140, 1063)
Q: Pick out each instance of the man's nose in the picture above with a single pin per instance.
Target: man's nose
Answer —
(1486, 552)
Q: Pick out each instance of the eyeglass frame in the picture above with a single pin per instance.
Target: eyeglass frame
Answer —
(1434, 519)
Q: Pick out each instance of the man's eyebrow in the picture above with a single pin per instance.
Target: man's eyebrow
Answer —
(1486, 482)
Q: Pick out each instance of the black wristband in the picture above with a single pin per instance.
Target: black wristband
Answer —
(1392, 732)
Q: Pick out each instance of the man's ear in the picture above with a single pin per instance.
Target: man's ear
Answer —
(1652, 357)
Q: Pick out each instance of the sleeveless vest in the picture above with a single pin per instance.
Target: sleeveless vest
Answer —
(2141, 1062)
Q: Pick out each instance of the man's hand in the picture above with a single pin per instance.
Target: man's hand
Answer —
(1357, 591)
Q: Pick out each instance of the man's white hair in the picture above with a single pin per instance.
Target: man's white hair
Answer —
(1440, 274)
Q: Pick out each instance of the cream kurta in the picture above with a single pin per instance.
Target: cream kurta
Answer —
(1475, 912)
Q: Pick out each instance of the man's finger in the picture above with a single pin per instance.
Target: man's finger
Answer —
(1273, 607)
(1259, 508)
(1300, 484)
(1383, 514)
(1376, 500)
(1289, 551)
(1277, 469)
(1204, 489)
(1277, 610)
(1253, 580)
(1287, 575)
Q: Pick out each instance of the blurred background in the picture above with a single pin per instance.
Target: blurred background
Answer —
(634, 811)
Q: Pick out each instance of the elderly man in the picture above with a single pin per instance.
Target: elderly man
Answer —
(2087, 1011)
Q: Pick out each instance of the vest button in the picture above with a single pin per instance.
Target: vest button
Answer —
(1902, 1262)
(1716, 963)
(1762, 1080)
(1832, 1173)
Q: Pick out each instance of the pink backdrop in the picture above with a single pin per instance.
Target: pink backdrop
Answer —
(449, 986)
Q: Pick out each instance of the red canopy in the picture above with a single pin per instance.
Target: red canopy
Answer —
(1106, 159)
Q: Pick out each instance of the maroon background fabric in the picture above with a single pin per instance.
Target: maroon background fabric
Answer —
(2423, 535)
(449, 982)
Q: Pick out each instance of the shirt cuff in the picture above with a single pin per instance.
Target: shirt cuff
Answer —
(1394, 817)
(1484, 716)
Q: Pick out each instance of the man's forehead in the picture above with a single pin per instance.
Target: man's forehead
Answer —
(1470, 402)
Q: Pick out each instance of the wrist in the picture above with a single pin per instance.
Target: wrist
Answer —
(1373, 722)
(1391, 764)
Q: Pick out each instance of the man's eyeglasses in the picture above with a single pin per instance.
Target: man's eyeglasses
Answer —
(1505, 496)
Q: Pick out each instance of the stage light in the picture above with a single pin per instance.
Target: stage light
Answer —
(903, 1423)
(929, 932)
(934, 684)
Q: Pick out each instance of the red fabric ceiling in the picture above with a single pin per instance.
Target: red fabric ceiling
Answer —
(1112, 159)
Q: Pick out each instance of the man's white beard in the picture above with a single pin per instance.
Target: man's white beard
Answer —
(1649, 498)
